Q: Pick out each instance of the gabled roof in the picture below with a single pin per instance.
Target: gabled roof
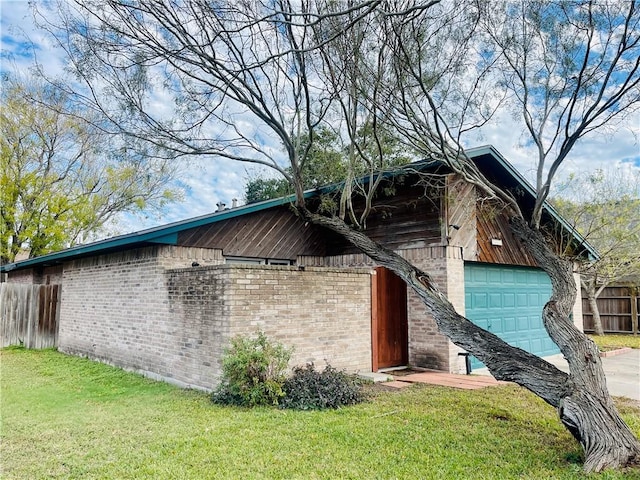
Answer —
(490, 161)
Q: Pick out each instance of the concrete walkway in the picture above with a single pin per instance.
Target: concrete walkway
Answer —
(622, 372)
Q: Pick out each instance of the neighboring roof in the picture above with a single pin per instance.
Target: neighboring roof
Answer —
(496, 169)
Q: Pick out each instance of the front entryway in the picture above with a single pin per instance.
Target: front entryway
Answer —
(389, 320)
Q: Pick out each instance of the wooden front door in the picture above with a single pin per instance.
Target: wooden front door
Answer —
(389, 320)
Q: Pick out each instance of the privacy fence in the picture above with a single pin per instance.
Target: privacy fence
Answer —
(618, 308)
(29, 315)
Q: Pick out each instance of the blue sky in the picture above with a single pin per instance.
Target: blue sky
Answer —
(207, 182)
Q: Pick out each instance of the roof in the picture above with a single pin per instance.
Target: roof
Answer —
(490, 161)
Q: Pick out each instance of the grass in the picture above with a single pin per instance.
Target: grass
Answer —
(67, 417)
(613, 342)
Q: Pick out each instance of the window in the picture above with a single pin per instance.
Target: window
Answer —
(258, 261)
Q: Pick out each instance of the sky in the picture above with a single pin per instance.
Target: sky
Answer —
(208, 182)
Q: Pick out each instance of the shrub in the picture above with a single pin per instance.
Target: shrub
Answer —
(308, 389)
(253, 372)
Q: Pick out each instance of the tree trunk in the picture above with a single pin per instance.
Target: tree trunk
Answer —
(581, 397)
(587, 409)
(595, 313)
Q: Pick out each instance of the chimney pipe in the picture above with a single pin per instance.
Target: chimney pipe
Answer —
(234, 202)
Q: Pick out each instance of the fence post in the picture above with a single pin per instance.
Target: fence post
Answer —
(633, 291)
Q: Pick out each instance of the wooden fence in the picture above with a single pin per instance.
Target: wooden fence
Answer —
(29, 315)
(618, 307)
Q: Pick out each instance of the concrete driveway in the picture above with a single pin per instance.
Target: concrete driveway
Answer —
(622, 372)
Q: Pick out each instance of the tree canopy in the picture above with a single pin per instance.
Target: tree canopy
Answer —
(604, 207)
(61, 178)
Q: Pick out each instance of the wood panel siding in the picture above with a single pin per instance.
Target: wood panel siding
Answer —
(493, 224)
(460, 205)
(274, 233)
(408, 219)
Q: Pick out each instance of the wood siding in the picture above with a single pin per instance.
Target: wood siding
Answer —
(413, 217)
(460, 201)
(493, 223)
(409, 219)
(618, 308)
(274, 233)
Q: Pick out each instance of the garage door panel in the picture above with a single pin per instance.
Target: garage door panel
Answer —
(510, 325)
(521, 299)
(495, 300)
(508, 301)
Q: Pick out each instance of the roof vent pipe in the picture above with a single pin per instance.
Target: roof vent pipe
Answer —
(234, 202)
(220, 206)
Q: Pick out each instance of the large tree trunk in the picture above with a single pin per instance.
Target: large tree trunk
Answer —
(581, 397)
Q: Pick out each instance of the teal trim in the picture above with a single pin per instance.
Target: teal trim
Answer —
(168, 234)
(171, 239)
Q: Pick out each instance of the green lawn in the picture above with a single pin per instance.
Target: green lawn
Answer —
(612, 342)
(67, 417)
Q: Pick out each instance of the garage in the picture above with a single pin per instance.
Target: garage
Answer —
(507, 301)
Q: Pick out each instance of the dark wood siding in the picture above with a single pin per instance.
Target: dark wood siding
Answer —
(274, 233)
(409, 219)
(492, 223)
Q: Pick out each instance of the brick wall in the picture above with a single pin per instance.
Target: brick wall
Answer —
(116, 308)
(427, 347)
(26, 275)
(149, 311)
(324, 313)
(45, 276)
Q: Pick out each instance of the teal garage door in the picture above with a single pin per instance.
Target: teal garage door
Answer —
(508, 301)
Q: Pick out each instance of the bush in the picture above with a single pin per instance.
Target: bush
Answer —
(253, 372)
(308, 389)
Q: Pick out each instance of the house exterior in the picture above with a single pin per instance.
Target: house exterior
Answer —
(166, 301)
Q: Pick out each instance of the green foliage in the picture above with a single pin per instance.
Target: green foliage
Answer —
(61, 177)
(253, 372)
(259, 189)
(309, 389)
(604, 207)
(327, 162)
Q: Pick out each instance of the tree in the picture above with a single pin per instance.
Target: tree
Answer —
(605, 208)
(424, 71)
(59, 180)
(327, 164)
